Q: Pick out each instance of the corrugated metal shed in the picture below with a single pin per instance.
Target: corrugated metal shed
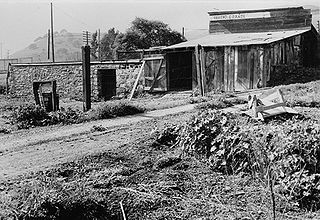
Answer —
(239, 39)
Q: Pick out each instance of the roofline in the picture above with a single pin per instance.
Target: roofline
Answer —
(251, 11)
(226, 45)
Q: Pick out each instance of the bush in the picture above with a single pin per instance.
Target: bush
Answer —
(3, 89)
(114, 109)
(66, 116)
(29, 115)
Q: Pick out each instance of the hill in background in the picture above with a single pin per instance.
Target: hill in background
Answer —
(67, 47)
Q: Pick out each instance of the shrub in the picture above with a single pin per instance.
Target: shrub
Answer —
(66, 116)
(3, 89)
(117, 108)
(29, 115)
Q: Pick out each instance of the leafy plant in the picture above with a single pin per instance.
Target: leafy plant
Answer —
(284, 153)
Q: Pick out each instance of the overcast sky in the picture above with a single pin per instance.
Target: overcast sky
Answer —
(21, 22)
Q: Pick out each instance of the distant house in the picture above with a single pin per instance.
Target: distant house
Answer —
(242, 51)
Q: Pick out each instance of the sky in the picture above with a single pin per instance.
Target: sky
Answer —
(21, 22)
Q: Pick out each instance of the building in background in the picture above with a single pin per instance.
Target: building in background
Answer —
(243, 50)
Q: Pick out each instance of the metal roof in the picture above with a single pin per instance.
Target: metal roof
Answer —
(239, 39)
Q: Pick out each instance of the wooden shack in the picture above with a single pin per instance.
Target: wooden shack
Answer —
(242, 51)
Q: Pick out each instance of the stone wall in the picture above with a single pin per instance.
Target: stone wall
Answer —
(69, 77)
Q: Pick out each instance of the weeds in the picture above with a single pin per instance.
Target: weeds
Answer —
(3, 89)
(115, 109)
(31, 115)
(287, 153)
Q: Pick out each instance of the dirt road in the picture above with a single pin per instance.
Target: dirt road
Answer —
(41, 148)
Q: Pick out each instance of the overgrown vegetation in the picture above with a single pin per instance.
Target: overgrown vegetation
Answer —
(3, 89)
(115, 109)
(290, 74)
(286, 151)
(30, 115)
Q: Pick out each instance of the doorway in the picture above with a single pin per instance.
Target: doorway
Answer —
(107, 83)
(179, 70)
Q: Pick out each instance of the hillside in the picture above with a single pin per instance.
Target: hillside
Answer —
(67, 47)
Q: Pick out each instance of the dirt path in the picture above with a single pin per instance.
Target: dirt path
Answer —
(40, 148)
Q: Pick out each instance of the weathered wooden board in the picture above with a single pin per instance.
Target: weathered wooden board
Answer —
(153, 68)
(259, 20)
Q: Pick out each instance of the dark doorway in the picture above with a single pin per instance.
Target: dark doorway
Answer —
(106, 83)
(179, 70)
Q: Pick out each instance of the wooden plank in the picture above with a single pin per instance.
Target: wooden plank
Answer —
(260, 24)
(226, 68)
(257, 10)
(231, 69)
(150, 78)
(236, 61)
(154, 58)
(202, 69)
(196, 51)
(267, 107)
(261, 68)
(137, 80)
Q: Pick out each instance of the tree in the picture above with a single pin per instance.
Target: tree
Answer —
(94, 46)
(108, 45)
(144, 34)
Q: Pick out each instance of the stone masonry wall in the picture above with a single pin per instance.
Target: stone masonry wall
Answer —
(69, 77)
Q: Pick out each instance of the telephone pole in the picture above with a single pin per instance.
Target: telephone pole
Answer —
(52, 33)
(49, 44)
(99, 45)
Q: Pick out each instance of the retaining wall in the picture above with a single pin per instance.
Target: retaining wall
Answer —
(69, 77)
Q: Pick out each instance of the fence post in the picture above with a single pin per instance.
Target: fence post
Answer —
(86, 78)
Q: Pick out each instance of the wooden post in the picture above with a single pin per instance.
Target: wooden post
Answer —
(236, 62)
(55, 106)
(196, 51)
(86, 78)
(202, 70)
(254, 106)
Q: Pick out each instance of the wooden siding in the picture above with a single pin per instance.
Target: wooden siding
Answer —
(248, 67)
(289, 18)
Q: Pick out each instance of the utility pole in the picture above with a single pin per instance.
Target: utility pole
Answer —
(48, 44)
(52, 33)
(99, 45)
(182, 31)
